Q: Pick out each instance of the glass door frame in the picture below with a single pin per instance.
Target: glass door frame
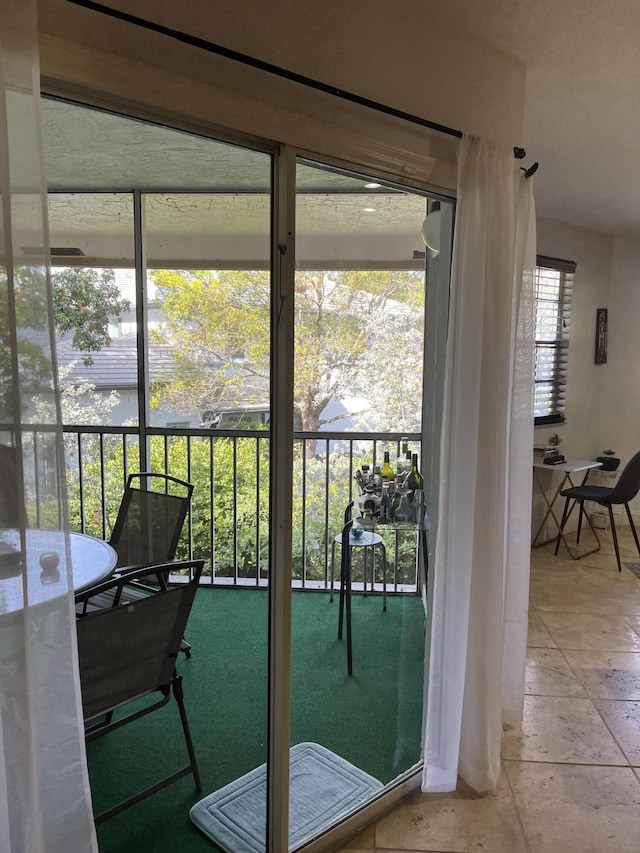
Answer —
(281, 484)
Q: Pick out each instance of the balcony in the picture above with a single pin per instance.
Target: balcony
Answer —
(228, 523)
(372, 719)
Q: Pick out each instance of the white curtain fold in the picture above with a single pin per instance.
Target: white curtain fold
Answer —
(481, 576)
(44, 793)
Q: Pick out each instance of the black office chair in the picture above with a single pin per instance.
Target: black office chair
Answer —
(624, 491)
(128, 652)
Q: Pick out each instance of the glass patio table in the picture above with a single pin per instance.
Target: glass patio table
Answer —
(372, 525)
(47, 555)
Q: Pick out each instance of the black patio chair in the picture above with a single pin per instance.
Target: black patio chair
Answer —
(150, 520)
(128, 652)
(624, 491)
(146, 532)
(9, 501)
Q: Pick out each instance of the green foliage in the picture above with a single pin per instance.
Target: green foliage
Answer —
(229, 512)
(26, 314)
(229, 522)
(349, 340)
(84, 300)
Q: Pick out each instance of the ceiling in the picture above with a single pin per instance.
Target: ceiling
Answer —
(204, 200)
(582, 108)
(582, 117)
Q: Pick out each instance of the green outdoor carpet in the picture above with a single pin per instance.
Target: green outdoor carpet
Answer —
(372, 719)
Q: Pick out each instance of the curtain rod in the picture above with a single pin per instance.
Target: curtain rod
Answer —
(236, 56)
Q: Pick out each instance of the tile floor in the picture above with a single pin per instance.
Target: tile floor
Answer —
(571, 778)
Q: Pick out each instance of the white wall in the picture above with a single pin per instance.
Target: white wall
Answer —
(590, 406)
(619, 414)
(585, 433)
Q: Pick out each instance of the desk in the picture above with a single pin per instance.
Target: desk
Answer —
(421, 529)
(566, 468)
(92, 560)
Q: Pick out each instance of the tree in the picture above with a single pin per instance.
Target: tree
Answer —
(350, 326)
(84, 301)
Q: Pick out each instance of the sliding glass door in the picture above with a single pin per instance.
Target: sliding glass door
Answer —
(254, 322)
(359, 620)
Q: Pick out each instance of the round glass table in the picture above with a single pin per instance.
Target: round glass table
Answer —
(49, 554)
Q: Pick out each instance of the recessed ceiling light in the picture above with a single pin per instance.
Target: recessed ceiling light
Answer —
(372, 186)
(369, 209)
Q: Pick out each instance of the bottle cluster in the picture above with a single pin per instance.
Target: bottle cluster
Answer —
(387, 495)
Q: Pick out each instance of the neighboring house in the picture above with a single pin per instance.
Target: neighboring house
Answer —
(115, 368)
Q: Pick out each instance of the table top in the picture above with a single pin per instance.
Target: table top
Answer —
(372, 524)
(568, 466)
(91, 560)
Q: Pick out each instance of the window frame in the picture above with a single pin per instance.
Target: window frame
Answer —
(554, 376)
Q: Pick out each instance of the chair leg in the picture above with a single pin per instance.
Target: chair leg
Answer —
(384, 576)
(565, 517)
(333, 560)
(615, 536)
(580, 514)
(632, 526)
(179, 697)
(365, 551)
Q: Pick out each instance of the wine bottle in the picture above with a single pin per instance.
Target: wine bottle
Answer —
(415, 479)
(386, 472)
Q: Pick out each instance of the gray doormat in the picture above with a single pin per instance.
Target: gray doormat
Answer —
(634, 567)
(323, 786)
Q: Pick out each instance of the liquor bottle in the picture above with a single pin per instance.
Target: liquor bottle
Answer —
(369, 503)
(403, 513)
(385, 504)
(414, 478)
(395, 492)
(386, 472)
(401, 459)
(377, 478)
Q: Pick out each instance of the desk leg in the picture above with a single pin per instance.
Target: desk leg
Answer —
(566, 482)
(550, 511)
(568, 509)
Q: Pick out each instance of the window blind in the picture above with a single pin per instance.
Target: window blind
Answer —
(554, 291)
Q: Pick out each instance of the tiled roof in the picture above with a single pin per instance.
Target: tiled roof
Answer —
(116, 365)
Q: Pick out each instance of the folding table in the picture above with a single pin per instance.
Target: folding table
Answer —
(566, 468)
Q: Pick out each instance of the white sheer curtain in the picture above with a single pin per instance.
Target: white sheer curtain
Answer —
(481, 574)
(44, 792)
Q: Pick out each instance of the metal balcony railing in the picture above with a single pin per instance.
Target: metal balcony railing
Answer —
(228, 525)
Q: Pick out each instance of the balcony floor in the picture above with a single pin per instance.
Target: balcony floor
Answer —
(373, 718)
